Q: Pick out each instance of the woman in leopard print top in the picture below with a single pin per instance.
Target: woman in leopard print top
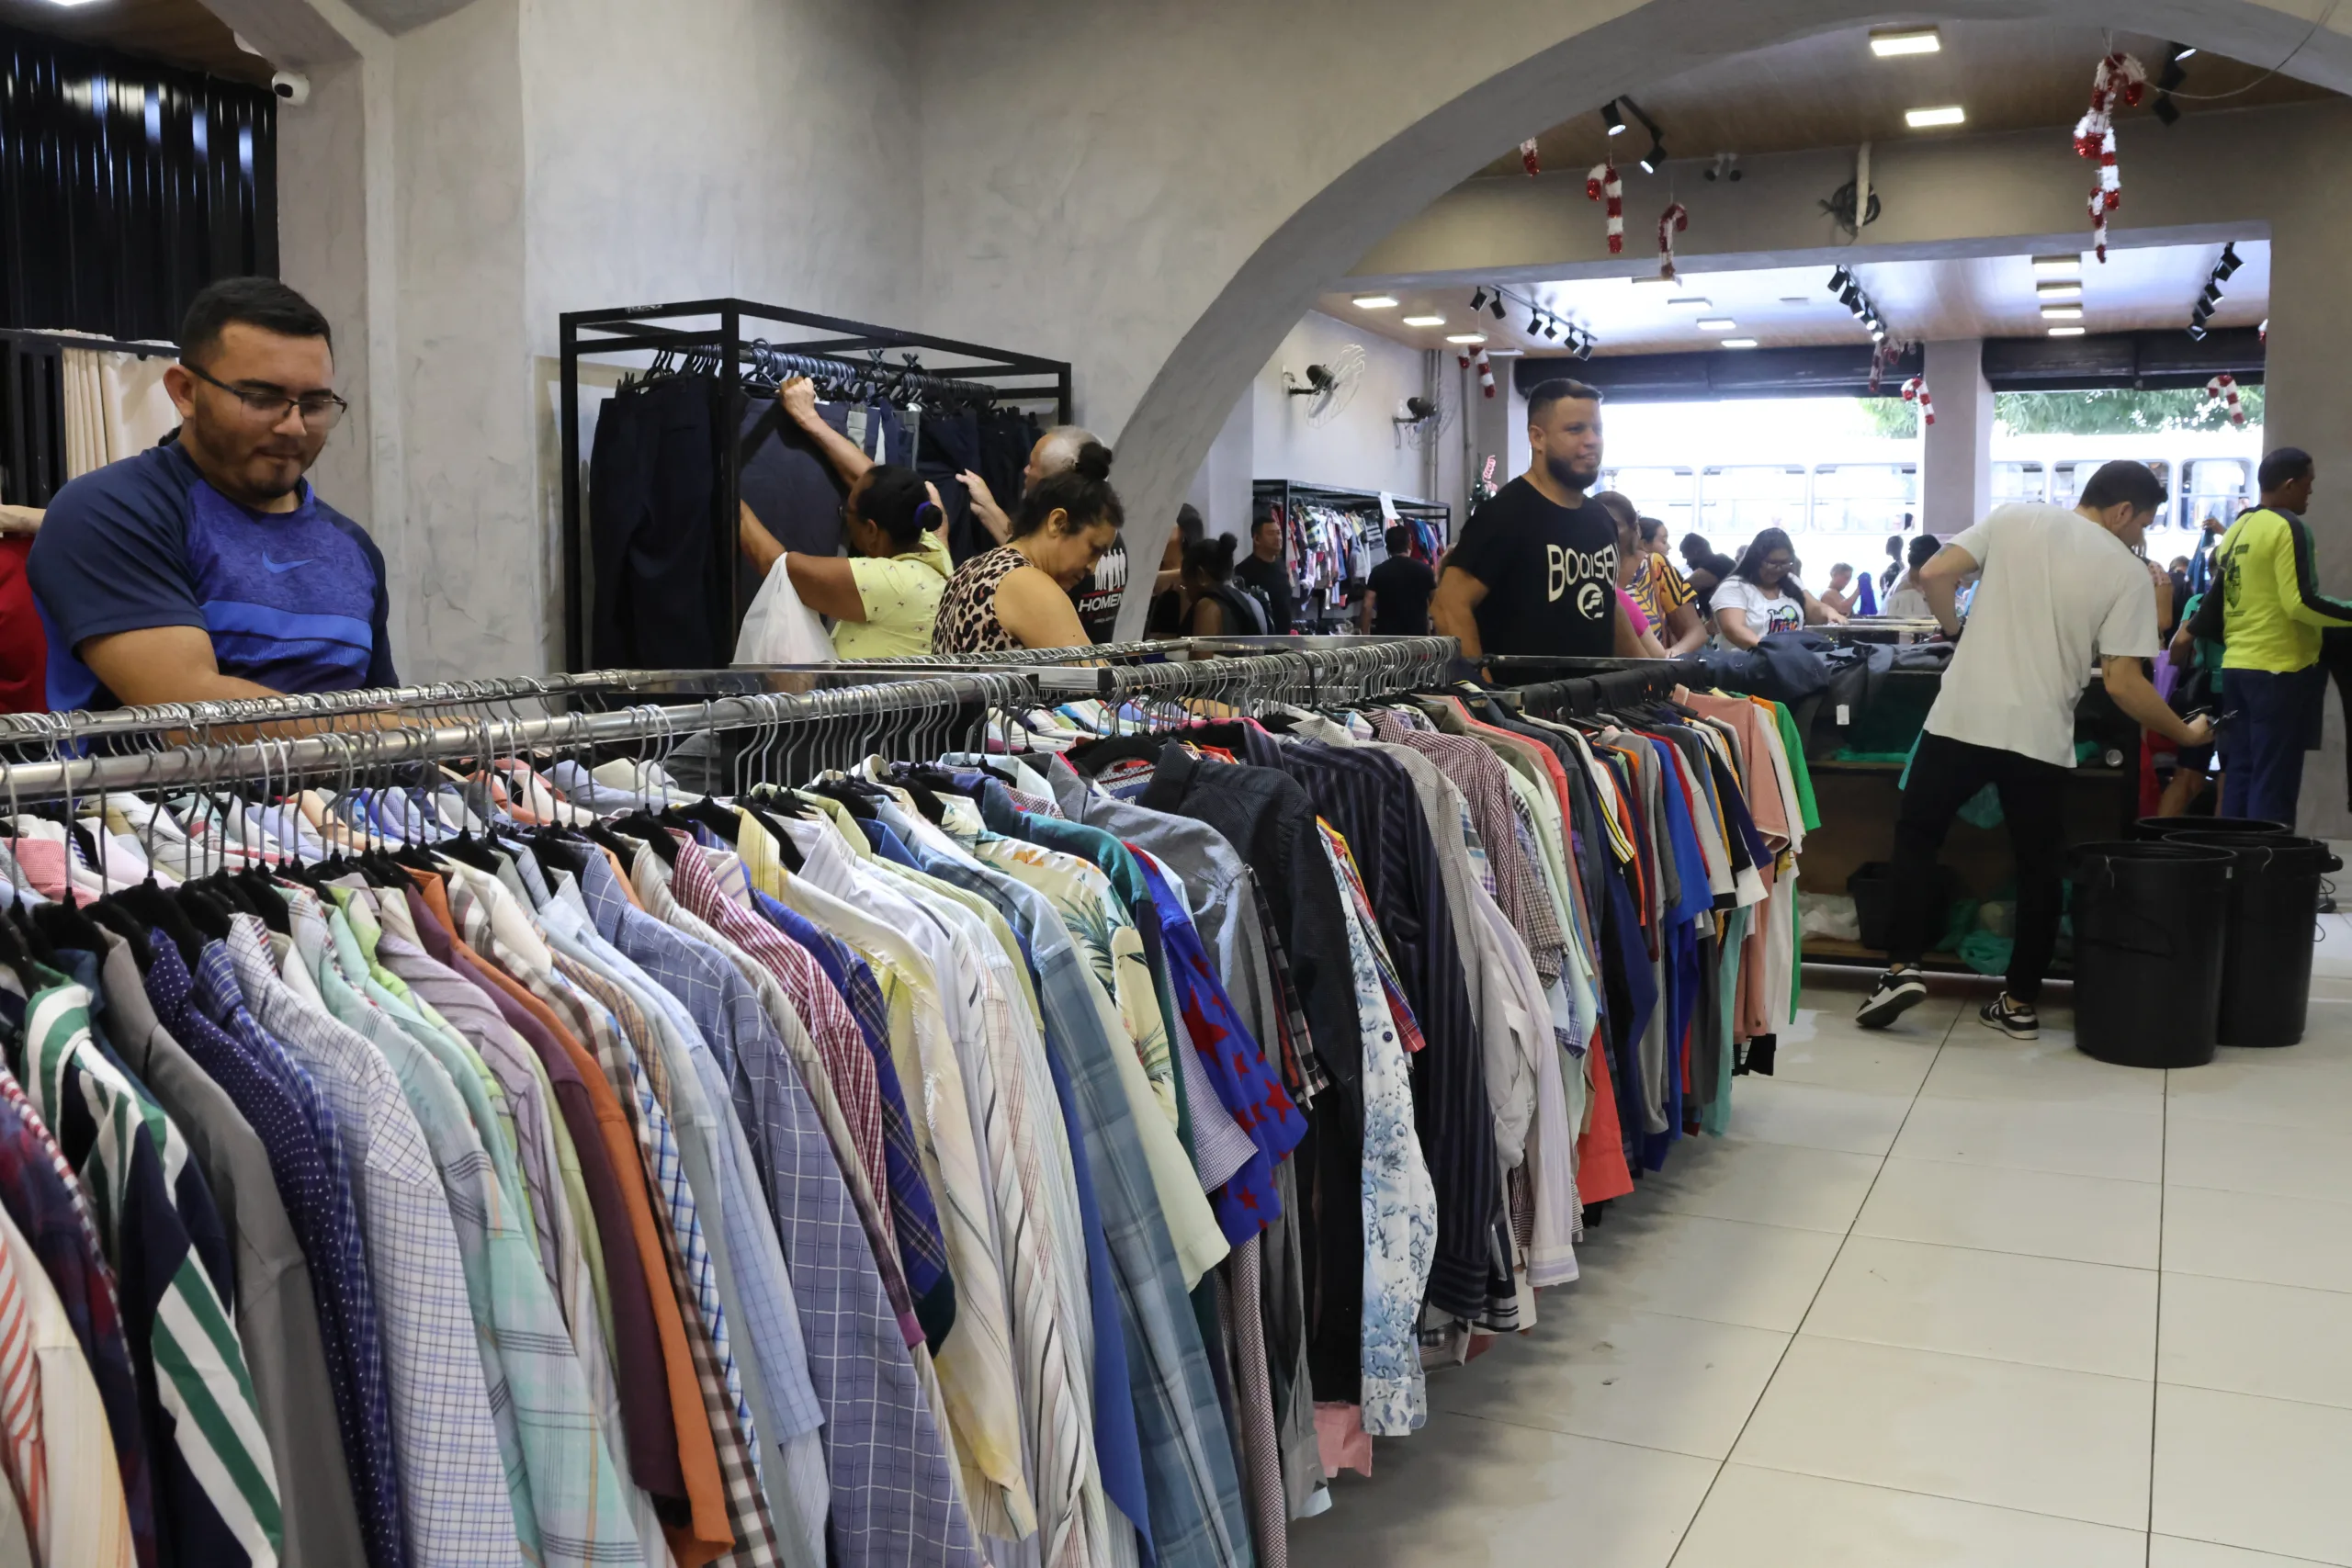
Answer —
(1018, 596)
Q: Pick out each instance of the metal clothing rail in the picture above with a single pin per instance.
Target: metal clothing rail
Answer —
(918, 706)
(741, 334)
(854, 714)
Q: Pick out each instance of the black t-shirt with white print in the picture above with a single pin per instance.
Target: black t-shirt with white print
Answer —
(1549, 573)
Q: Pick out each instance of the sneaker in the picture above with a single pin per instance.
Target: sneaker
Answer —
(2012, 1018)
(1897, 989)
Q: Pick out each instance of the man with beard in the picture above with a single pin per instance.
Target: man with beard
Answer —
(1535, 570)
(205, 567)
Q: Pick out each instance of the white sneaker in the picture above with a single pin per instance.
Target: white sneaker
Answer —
(1897, 990)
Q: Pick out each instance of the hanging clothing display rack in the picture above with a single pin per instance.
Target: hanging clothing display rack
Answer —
(1333, 535)
(1043, 1102)
(746, 348)
(33, 416)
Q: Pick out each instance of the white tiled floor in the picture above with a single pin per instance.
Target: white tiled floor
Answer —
(1939, 1299)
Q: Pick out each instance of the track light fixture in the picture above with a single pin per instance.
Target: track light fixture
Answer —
(1496, 304)
(1478, 298)
(1654, 160)
(2210, 297)
(1612, 119)
(1838, 281)
(1552, 327)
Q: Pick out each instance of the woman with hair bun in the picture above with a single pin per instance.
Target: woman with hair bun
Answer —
(1018, 595)
(1216, 605)
(884, 595)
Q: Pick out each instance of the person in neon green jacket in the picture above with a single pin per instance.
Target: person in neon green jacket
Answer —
(2269, 614)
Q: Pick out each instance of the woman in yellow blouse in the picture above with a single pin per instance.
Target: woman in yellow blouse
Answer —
(884, 595)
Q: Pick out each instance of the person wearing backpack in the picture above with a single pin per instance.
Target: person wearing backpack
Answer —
(1215, 605)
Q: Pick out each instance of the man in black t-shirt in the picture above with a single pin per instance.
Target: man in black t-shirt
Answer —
(1264, 570)
(1396, 594)
(1536, 569)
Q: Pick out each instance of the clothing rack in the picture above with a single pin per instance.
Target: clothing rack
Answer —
(33, 407)
(855, 714)
(1283, 497)
(744, 337)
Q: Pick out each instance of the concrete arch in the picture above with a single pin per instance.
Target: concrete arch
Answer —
(1381, 109)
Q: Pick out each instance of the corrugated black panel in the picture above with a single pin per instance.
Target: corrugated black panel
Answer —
(125, 186)
(2012, 365)
(1722, 373)
(2145, 360)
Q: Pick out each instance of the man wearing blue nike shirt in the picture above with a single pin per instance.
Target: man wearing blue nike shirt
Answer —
(206, 567)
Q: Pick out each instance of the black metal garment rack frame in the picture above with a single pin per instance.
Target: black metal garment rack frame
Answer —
(33, 407)
(1286, 493)
(747, 334)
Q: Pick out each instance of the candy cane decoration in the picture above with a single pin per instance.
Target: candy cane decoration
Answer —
(1528, 160)
(1601, 185)
(1486, 374)
(2223, 389)
(2119, 77)
(1915, 390)
(1672, 221)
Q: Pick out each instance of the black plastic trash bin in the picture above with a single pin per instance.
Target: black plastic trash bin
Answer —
(2177, 827)
(2148, 919)
(2267, 947)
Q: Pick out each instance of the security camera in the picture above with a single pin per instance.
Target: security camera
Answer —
(292, 85)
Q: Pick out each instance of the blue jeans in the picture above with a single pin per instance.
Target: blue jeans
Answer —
(2276, 720)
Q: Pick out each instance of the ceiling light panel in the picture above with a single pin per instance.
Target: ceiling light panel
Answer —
(1717, 324)
(1425, 321)
(1696, 302)
(2058, 266)
(1739, 342)
(2066, 290)
(2066, 331)
(1898, 41)
(2062, 313)
(1467, 337)
(1941, 115)
(1375, 301)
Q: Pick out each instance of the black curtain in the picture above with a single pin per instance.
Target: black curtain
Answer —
(125, 186)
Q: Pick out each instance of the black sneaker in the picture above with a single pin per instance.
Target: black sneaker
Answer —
(1897, 990)
(2012, 1018)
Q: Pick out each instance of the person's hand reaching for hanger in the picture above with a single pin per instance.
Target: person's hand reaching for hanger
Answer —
(985, 508)
(797, 398)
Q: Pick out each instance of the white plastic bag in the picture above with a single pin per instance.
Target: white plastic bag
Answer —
(778, 628)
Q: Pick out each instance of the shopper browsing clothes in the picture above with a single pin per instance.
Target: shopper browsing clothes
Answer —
(1665, 596)
(1762, 595)
(1018, 595)
(1098, 591)
(206, 567)
(2060, 588)
(1535, 571)
(2268, 614)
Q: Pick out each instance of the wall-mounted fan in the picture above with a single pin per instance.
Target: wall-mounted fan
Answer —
(1421, 420)
(1331, 385)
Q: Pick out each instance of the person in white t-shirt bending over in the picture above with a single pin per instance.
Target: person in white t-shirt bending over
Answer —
(2061, 588)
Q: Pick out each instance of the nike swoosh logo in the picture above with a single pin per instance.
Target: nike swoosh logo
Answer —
(283, 565)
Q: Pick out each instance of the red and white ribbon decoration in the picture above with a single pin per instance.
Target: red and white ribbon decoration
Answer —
(1484, 368)
(2223, 389)
(2120, 78)
(1915, 390)
(1602, 185)
(1528, 160)
(1672, 221)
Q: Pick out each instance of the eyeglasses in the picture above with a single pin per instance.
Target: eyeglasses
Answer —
(320, 411)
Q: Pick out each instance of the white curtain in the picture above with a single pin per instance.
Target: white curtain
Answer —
(115, 405)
